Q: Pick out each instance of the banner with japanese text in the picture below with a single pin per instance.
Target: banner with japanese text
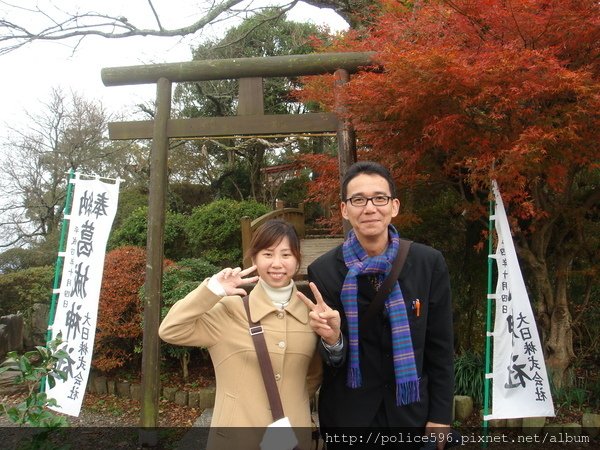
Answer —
(92, 213)
(520, 386)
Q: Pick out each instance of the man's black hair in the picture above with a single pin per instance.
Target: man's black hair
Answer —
(369, 168)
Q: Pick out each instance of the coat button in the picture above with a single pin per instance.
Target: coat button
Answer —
(277, 377)
(281, 344)
(280, 315)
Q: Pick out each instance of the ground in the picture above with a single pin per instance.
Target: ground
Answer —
(108, 421)
(113, 421)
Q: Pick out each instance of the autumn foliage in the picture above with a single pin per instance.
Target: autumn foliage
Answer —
(119, 327)
(467, 91)
(473, 89)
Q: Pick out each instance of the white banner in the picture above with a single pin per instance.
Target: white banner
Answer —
(520, 385)
(92, 213)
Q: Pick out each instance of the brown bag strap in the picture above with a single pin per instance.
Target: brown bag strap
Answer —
(388, 284)
(266, 368)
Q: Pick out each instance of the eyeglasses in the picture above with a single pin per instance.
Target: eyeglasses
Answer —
(378, 200)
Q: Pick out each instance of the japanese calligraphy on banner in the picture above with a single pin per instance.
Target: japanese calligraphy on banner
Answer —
(92, 213)
(520, 385)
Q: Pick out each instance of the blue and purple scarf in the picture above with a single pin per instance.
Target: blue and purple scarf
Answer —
(359, 263)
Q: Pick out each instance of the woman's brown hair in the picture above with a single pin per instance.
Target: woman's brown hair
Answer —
(270, 234)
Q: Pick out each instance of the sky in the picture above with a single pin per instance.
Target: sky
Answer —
(28, 74)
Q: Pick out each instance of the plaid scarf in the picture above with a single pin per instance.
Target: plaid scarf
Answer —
(359, 263)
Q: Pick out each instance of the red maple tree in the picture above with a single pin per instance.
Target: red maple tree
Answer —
(119, 329)
(492, 89)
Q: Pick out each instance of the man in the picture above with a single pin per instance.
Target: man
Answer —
(393, 370)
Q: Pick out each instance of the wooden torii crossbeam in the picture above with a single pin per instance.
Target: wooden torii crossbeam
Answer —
(250, 120)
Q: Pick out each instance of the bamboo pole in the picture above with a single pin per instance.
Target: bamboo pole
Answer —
(59, 263)
(488, 322)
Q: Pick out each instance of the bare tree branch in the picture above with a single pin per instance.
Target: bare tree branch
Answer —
(69, 133)
(15, 35)
(56, 24)
(160, 27)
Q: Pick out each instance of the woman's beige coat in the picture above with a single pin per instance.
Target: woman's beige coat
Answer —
(203, 319)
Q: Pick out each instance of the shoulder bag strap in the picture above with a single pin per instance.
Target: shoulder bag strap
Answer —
(388, 284)
(266, 368)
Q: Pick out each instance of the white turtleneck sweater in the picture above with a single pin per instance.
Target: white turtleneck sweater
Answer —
(279, 296)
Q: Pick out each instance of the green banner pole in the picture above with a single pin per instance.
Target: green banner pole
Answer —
(59, 263)
(488, 327)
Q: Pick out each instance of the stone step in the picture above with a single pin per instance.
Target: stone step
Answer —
(311, 249)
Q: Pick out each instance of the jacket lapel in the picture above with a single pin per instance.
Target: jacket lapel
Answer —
(297, 308)
(407, 268)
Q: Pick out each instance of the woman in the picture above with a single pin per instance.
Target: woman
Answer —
(213, 316)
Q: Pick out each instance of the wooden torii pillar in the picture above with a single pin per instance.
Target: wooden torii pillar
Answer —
(250, 120)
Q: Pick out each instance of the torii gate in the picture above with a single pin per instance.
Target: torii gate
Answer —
(250, 120)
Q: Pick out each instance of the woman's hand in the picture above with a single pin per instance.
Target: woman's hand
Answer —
(231, 279)
(323, 320)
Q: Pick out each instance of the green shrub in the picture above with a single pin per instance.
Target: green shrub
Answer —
(183, 277)
(130, 199)
(574, 393)
(469, 370)
(38, 255)
(31, 369)
(20, 290)
(594, 397)
(178, 281)
(214, 230)
(134, 231)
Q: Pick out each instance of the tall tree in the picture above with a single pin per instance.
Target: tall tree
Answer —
(471, 91)
(219, 162)
(70, 133)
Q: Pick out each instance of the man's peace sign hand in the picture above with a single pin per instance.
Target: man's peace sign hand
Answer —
(323, 320)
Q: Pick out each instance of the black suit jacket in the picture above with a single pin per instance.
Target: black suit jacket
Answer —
(424, 277)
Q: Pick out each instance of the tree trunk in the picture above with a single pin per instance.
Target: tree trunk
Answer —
(185, 361)
(560, 339)
(553, 316)
(255, 157)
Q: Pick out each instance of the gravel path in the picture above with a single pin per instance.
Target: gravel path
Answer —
(105, 422)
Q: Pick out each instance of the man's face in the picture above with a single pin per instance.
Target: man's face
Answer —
(369, 221)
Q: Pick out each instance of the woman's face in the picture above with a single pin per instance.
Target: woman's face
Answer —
(277, 264)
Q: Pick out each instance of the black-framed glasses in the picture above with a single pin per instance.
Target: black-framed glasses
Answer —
(377, 200)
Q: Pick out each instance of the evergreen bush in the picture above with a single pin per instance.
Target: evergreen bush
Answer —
(468, 375)
(178, 281)
(214, 230)
(20, 290)
(134, 231)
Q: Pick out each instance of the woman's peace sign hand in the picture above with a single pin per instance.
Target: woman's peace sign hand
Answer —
(231, 279)
(323, 320)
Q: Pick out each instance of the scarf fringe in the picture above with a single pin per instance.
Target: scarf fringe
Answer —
(407, 392)
(354, 377)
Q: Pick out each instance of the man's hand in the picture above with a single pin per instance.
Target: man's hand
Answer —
(440, 432)
(323, 320)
